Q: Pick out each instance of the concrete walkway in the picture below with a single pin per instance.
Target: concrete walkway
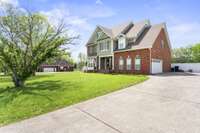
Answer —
(168, 103)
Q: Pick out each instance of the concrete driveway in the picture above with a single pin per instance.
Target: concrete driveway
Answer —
(167, 103)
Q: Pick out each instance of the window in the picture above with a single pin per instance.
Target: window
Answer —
(137, 63)
(99, 34)
(128, 63)
(121, 63)
(90, 50)
(162, 44)
(108, 44)
(104, 45)
(101, 46)
(121, 42)
(91, 62)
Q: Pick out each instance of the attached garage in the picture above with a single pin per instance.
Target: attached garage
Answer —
(156, 66)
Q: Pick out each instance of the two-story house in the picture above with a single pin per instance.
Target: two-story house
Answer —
(130, 48)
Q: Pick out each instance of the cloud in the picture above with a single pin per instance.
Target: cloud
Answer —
(183, 34)
(99, 2)
(13, 2)
(92, 11)
(98, 11)
(58, 15)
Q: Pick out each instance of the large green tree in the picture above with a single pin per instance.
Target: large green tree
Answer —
(196, 52)
(189, 54)
(182, 55)
(27, 40)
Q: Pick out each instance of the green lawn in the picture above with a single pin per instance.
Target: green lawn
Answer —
(47, 92)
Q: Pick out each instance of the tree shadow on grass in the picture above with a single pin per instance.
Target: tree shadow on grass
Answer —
(41, 76)
(36, 89)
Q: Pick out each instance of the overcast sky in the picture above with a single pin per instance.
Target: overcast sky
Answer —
(181, 16)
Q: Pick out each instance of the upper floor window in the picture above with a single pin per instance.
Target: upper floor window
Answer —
(128, 63)
(162, 45)
(121, 42)
(121, 63)
(92, 49)
(104, 45)
(101, 46)
(99, 34)
(108, 44)
(137, 62)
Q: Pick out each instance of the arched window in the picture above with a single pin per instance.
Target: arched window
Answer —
(138, 63)
(128, 63)
(121, 63)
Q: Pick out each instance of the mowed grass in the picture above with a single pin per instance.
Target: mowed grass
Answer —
(47, 92)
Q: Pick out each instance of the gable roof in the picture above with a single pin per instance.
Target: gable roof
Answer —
(111, 32)
(137, 28)
(107, 31)
(143, 32)
(116, 30)
(149, 38)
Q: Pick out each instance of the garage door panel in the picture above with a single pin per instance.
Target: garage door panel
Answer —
(157, 66)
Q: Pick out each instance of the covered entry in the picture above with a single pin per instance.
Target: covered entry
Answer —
(106, 63)
(156, 66)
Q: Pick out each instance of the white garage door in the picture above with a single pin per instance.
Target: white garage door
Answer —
(48, 69)
(157, 66)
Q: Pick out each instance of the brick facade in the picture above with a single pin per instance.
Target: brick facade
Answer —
(156, 52)
(164, 53)
(145, 61)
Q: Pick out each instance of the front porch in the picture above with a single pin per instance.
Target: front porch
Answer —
(105, 64)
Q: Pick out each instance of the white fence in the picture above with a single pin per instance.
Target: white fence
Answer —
(195, 67)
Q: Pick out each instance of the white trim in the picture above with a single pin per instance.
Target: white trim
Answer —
(120, 35)
(121, 42)
(127, 61)
(130, 50)
(160, 61)
(105, 55)
(91, 56)
(138, 57)
(91, 44)
(99, 67)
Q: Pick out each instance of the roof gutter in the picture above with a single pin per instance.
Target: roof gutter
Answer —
(131, 50)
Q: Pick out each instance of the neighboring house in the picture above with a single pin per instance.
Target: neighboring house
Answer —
(58, 66)
(130, 48)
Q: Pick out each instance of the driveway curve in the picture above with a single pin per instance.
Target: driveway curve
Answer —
(166, 103)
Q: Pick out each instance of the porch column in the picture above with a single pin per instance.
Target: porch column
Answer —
(105, 64)
(99, 63)
(113, 63)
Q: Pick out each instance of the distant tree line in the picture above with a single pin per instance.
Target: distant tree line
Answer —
(189, 54)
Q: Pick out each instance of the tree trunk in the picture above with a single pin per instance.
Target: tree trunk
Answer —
(18, 81)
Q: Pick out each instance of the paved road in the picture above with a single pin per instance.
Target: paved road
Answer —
(165, 103)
